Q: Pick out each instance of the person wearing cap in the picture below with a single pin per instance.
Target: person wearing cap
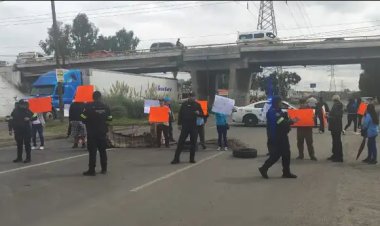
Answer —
(278, 127)
(187, 123)
(336, 128)
(95, 116)
(163, 128)
(171, 119)
(20, 122)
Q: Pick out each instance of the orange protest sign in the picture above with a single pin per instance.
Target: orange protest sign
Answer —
(362, 108)
(306, 117)
(84, 94)
(40, 105)
(203, 104)
(159, 114)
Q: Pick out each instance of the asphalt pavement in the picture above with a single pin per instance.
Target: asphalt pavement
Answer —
(143, 189)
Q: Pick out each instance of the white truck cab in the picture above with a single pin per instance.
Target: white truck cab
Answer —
(256, 37)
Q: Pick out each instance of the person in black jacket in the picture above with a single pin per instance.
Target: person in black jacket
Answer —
(187, 123)
(319, 113)
(335, 126)
(76, 127)
(278, 127)
(20, 122)
(95, 116)
(352, 110)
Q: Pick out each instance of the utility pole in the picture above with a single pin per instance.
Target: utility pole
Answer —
(332, 79)
(58, 65)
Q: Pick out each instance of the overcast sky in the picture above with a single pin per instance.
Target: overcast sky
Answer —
(24, 24)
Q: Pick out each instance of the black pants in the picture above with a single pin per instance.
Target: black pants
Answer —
(280, 148)
(201, 134)
(321, 123)
(185, 132)
(337, 148)
(37, 128)
(162, 129)
(351, 118)
(222, 135)
(97, 142)
(360, 121)
(171, 131)
(22, 137)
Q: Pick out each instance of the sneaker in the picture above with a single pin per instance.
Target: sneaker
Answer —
(289, 175)
(337, 160)
(366, 160)
(34, 147)
(192, 161)
(219, 149)
(313, 158)
(344, 132)
(226, 148)
(372, 162)
(89, 173)
(75, 146)
(300, 157)
(263, 172)
(103, 172)
(27, 161)
(330, 158)
(17, 160)
(203, 146)
(42, 148)
(357, 133)
(175, 162)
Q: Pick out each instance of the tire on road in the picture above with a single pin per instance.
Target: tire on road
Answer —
(250, 120)
(245, 153)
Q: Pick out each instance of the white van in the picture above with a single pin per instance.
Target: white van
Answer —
(31, 56)
(256, 37)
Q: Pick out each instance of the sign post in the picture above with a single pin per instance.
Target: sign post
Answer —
(60, 79)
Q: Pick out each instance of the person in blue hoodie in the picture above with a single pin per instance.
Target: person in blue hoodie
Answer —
(371, 126)
(221, 127)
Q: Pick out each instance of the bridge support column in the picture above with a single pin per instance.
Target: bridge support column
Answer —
(239, 84)
(199, 84)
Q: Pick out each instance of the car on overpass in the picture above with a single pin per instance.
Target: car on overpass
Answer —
(246, 38)
(253, 114)
(32, 57)
(161, 46)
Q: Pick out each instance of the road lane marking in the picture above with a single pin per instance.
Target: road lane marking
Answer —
(41, 164)
(175, 172)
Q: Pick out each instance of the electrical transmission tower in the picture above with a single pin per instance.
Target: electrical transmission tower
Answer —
(267, 22)
(332, 79)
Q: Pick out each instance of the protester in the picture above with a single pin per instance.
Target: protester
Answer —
(77, 129)
(278, 124)
(201, 121)
(371, 128)
(335, 126)
(163, 128)
(96, 115)
(222, 127)
(321, 108)
(187, 123)
(171, 118)
(305, 133)
(38, 127)
(360, 117)
(352, 110)
(20, 122)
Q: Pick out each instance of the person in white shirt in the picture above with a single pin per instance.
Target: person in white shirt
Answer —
(38, 127)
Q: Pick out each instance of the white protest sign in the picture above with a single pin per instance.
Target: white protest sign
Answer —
(223, 105)
(66, 109)
(264, 110)
(150, 103)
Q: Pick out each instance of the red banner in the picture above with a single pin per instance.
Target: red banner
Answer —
(158, 114)
(306, 117)
(40, 104)
(84, 94)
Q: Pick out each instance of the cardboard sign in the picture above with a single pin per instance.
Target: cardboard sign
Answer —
(40, 105)
(66, 109)
(306, 117)
(362, 108)
(203, 104)
(84, 94)
(150, 103)
(159, 114)
(223, 105)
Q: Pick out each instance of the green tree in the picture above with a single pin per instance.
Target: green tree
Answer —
(123, 40)
(281, 82)
(84, 34)
(64, 41)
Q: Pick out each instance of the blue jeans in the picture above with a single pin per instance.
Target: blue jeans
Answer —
(372, 150)
(37, 128)
(222, 134)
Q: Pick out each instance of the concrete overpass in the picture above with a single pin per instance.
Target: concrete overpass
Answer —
(205, 63)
